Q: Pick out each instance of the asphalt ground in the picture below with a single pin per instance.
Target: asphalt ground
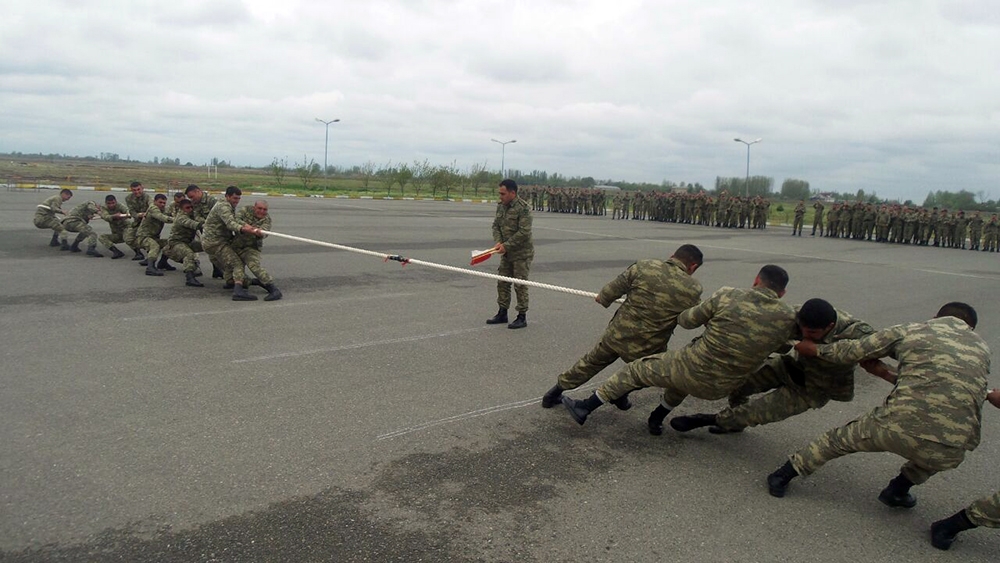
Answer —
(371, 415)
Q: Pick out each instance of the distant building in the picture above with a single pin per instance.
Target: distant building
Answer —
(608, 188)
(827, 197)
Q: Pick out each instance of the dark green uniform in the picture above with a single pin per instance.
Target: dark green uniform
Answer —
(248, 246)
(512, 227)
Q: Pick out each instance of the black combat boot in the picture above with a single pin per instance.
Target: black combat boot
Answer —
(580, 410)
(655, 420)
(240, 293)
(144, 262)
(273, 293)
(197, 272)
(115, 253)
(216, 272)
(138, 256)
(623, 403)
(75, 247)
(690, 422)
(64, 245)
(777, 482)
(943, 532)
(92, 251)
(897, 493)
(721, 430)
(164, 265)
(230, 284)
(552, 397)
(151, 269)
(192, 281)
(500, 317)
(520, 322)
(55, 240)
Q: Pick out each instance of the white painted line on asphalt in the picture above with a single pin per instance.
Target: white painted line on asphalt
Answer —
(359, 345)
(264, 310)
(470, 414)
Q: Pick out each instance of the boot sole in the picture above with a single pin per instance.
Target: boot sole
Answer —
(568, 403)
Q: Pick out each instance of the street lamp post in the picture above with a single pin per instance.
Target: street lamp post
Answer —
(503, 151)
(326, 145)
(746, 185)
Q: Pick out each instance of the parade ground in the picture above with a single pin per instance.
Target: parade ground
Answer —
(372, 415)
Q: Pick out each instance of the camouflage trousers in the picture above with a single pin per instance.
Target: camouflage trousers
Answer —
(185, 253)
(797, 224)
(226, 259)
(786, 399)
(869, 434)
(513, 269)
(110, 240)
(250, 257)
(43, 222)
(985, 511)
(600, 357)
(152, 246)
(818, 224)
(132, 237)
(676, 372)
(81, 227)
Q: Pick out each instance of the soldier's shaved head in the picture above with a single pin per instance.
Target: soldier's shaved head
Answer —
(689, 254)
(816, 313)
(773, 277)
(960, 310)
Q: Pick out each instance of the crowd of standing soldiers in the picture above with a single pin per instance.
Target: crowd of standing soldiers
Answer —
(902, 224)
(700, 208)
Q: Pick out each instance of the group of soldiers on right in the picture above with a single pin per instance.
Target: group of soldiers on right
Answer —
(902, 224)
(774, 361)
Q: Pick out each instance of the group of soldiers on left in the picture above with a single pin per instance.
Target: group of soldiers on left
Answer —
(199, 222)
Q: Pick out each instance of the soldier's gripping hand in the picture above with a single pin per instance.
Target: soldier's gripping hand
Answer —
(994, 397)
(879, 369)
(806, 348)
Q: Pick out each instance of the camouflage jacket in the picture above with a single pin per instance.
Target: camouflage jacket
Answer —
(742, 328)
(221, 225)
(656, 292)
(184, 228)
(83, 212)
(800, 210)
(137, 205)
(117, 225)
(941, 378)
(834, 379)
(204, 207)
(49, 207)
(152, 223)
(512, 227)
(244, 240)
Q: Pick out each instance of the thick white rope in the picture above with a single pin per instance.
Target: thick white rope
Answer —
(404, 261)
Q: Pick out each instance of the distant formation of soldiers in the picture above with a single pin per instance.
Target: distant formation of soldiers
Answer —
(902, 224)
(701, 208)
(199, 222)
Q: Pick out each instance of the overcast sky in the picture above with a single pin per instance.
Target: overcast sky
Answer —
(900, 97)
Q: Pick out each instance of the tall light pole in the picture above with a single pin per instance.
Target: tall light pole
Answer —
(326, 146)
(503, 151)
(746, 186)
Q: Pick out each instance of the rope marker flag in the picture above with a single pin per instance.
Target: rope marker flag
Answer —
(480, 256)
(404, 261)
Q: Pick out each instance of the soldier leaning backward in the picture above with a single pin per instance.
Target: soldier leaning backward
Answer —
(656, 292)
(931, 417)
(742, 327)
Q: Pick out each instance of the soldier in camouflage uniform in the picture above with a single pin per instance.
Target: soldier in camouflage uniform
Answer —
(655, 291)
(45, 216)
(512, 234)
(174, 205)
(818, 218)
(991, 230)
(975, 231)
(182, 246)
(137, 202)
(148, 236)
(800, 214)
(958, 241)
(218, 235)
(248, 247)
(742, 327)
(78, 221)
(931, 417)
(118, 219)
(796, 384)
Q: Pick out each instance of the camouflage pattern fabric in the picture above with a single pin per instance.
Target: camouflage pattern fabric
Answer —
(136, 205)
(45, 214)
(181, 244)
(220, 224)
(78, 221)
(742, 327)
(248, 247)
(512, 227)
(934, 412)
(985, 511)
(148, 234)
(118, 226)
(797, 384)
(656, 292)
